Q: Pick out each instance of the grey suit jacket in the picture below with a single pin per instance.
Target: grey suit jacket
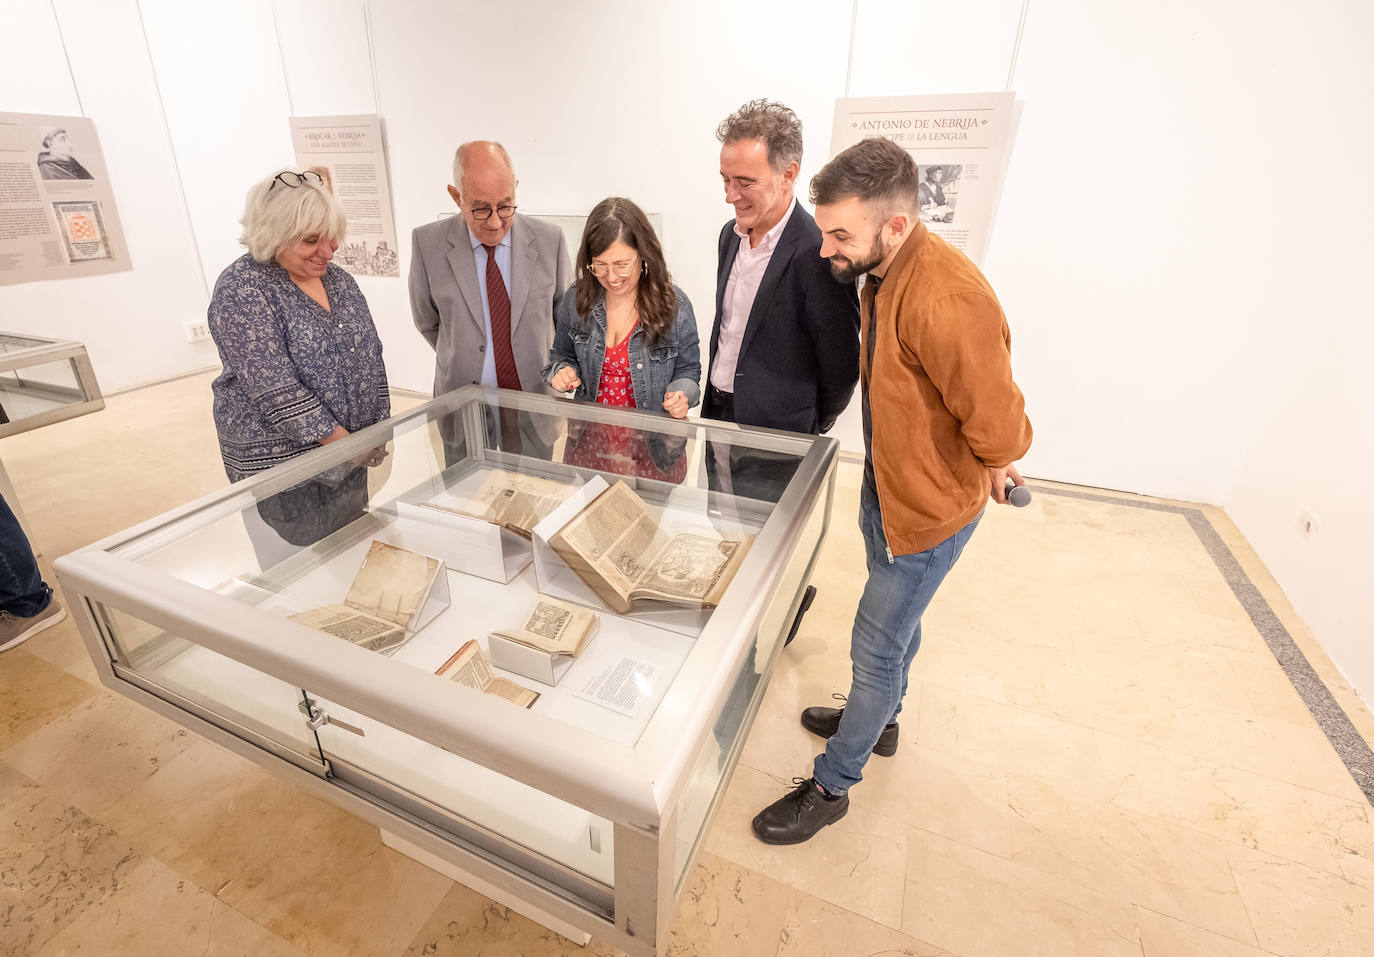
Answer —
(446, 301)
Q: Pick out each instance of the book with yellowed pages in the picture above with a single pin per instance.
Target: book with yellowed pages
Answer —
(554, 626)
(511, 500)
(616, 545)
(395, 593)
(470, 667)
(352, 625)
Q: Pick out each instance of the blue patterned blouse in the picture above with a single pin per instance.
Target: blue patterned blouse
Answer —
(293, 370)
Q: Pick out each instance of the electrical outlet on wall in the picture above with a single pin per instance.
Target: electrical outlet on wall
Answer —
(198, 330)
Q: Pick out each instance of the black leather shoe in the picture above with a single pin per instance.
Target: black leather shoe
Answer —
(806, 601)
(826, 721)
(798, 816)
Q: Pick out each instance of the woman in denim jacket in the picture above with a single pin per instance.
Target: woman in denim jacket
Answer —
(625, 336)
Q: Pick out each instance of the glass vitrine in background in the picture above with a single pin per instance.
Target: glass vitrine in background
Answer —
(581, 802)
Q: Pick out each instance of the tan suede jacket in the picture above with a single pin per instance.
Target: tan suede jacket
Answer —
(944, 406)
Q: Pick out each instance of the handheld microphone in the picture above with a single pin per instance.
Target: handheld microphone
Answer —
(1018, 495)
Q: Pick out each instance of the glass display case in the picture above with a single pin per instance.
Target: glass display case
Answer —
(389, 621)
(43, 381)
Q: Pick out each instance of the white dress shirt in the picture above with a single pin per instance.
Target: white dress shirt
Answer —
(746, 275)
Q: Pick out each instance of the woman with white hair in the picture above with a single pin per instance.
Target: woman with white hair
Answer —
(302, 360)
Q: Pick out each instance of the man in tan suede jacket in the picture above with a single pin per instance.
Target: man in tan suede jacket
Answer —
(943, 425)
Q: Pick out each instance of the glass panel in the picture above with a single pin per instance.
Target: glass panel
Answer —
(301, 539)
(516, 816)
(219, 689)
(708, 769)
(40, 388)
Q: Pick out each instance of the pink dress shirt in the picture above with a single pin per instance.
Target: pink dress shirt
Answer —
(746, 275)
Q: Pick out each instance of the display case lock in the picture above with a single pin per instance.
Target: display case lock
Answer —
(316, 717)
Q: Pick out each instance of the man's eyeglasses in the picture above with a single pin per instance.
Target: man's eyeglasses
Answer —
(288, 178)
(483, 213)
(621, 270)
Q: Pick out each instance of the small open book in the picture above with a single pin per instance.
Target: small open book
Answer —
(513, 501)
(469, 667)
(616, 546)
(555, 626)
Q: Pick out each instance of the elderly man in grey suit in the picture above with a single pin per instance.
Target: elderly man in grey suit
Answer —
(483, 285)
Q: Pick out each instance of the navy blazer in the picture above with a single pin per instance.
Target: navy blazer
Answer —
(799, 360)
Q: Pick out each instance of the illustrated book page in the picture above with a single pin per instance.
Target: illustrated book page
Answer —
(350, 624)
(513, 501)
(616, 546)
(470, 667)
(555, 626)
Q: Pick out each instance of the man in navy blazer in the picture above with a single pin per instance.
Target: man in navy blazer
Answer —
(785, 344)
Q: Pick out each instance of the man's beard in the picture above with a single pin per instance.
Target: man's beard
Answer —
(855, 268)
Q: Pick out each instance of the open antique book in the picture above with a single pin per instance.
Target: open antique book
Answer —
(469, 667)
(392, 596)
(513, 501)
(350, 624)
(555, 626)
(616, 546)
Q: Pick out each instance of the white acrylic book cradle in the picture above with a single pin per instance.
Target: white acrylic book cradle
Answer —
(473, 546)
(557, 579)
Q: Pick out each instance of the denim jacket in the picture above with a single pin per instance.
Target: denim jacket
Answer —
(670, 365)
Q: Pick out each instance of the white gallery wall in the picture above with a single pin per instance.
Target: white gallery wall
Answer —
(1179, 244)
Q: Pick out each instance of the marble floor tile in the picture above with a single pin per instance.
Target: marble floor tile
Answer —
(1165, 867)
(62, 645)
(977, 904)
(941, 793)
(1270, 693)
(727, 909)
(1011, 739)
(312, 874)
(858, 863)
(1316, 828)
(34, 693)
(814, 928)
(1162, 936)
(1305, 912)
(99, 751)
(55, 864)
(158, 913)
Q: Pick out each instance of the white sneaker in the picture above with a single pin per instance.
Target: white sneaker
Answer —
(15, 630)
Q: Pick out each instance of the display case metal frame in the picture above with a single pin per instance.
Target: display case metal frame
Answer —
(86, 397)
(636, 787)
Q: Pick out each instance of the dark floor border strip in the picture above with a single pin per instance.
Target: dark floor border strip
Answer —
(1353, 750)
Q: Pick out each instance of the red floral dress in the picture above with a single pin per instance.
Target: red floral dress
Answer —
(615, 448)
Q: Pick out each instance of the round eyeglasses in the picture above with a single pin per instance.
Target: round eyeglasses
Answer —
(620, 270)
(483, 213)
(293, 180)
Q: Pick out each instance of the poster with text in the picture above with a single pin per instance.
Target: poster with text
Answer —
(960, 144)
(57, 211)
(347, 152)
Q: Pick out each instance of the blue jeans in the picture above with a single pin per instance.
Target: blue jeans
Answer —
(22, 591)
(887, 634)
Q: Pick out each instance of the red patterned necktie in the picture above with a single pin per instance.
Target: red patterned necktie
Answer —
(498, 302)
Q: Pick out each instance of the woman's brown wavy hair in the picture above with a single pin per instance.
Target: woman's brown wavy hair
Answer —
(617, 218)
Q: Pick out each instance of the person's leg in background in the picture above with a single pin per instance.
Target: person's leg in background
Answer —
(27, 605)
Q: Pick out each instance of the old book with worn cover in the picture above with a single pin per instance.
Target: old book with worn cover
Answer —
(616, 546)
(555, 626)
(469, 666)
(511, 500)
(350, 624)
